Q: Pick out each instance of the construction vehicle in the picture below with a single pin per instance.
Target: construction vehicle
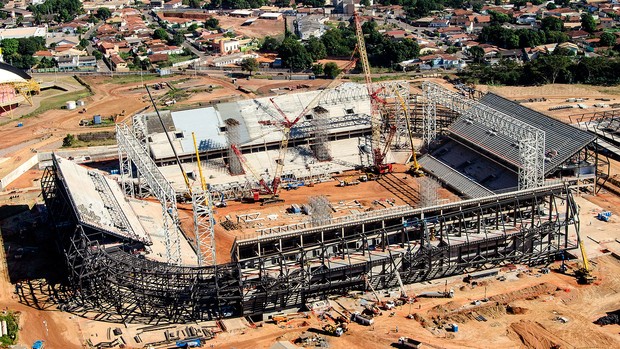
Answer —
(332, 330)
(278, 318)
(583, 274)
(414, 167)
(362, 319)
(265, 194)
(406, 342)
(379, 155)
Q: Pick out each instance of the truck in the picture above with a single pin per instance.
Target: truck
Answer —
(362, 319)
(406, 342)
(332, 330)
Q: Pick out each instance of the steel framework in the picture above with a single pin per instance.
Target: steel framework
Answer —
(289, 267)
(131, 151)
(530, 140)
(203, 227)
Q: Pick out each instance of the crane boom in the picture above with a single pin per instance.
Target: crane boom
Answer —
(415, 166)
(247, 165)
(161, 121)
(374, 116)
(203, 183)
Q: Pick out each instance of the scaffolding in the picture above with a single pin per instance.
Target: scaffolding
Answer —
(429, 191)
(203, 227)
(321, 122)
(320, 210)
(132, 152)
(529, 139)
(232, 136)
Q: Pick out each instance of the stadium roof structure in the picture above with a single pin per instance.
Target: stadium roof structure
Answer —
(561, 140)
(9, 73)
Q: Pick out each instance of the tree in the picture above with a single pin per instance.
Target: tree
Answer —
(551, 6)
(192, 28)
(331, 70)
(551, 23)
(316, 49)
(607, 39)
(270, 44)
(587, 23)
(294, 55)
(68, 141)
(83, 43)
(249, 64)
(476, 53)
(317, 69)
(194, 3)
(103, 13)
(9, 46)
(177, 39)
(98, 55)
(314, 3)
(160, 33)
(499, 17)
(212, 23)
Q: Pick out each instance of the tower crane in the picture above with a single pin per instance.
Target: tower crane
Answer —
(378, 156)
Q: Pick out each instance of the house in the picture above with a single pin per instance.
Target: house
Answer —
(310, 26)
(172, 4)
(270, 16)
(158, 58)
(118, 64)
(241, 13)
(444, 61)
(75, 63)
(606, 23)
(228, 46)
(439, 23)
(231, 59)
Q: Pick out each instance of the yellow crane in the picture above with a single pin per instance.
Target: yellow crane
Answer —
(203, 183)
(583, 274)
(414, 167)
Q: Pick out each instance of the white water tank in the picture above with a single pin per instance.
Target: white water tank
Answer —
(70, 105)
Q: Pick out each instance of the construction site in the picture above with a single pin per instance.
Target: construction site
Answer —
(359, 214)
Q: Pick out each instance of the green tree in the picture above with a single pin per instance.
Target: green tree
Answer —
(270, 44)
(249, 64)
(331, 70)
(317, 69)
(68, 141)
(499, 17)
(103, 13)
(551, 6)
(194, 3)
(83, 43)
(9, 47)
(98, 55)
(476, 53)
(177, 39)
(551, 23)
(316, 49)
(192, 28)
(607, 39)
(587, 23)
(212, 23)
(294, 55)
(160, 33)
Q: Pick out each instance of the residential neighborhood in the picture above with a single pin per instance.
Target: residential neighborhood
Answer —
(131, 36)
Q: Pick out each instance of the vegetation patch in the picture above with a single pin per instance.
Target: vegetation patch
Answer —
(12, 320)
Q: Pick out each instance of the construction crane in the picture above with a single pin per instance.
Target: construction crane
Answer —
(583, 274)
(378, 156)
(264, 193)
(163, 126)
(203, 183)
(414, 167)
(287, 124)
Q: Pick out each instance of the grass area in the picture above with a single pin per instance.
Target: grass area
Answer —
(92, 143)
(129, 79)
(381, 78)
(57, 102)
(180, 58)
(11, 324)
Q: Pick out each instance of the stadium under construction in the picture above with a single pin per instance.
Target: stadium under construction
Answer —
(132, 260)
